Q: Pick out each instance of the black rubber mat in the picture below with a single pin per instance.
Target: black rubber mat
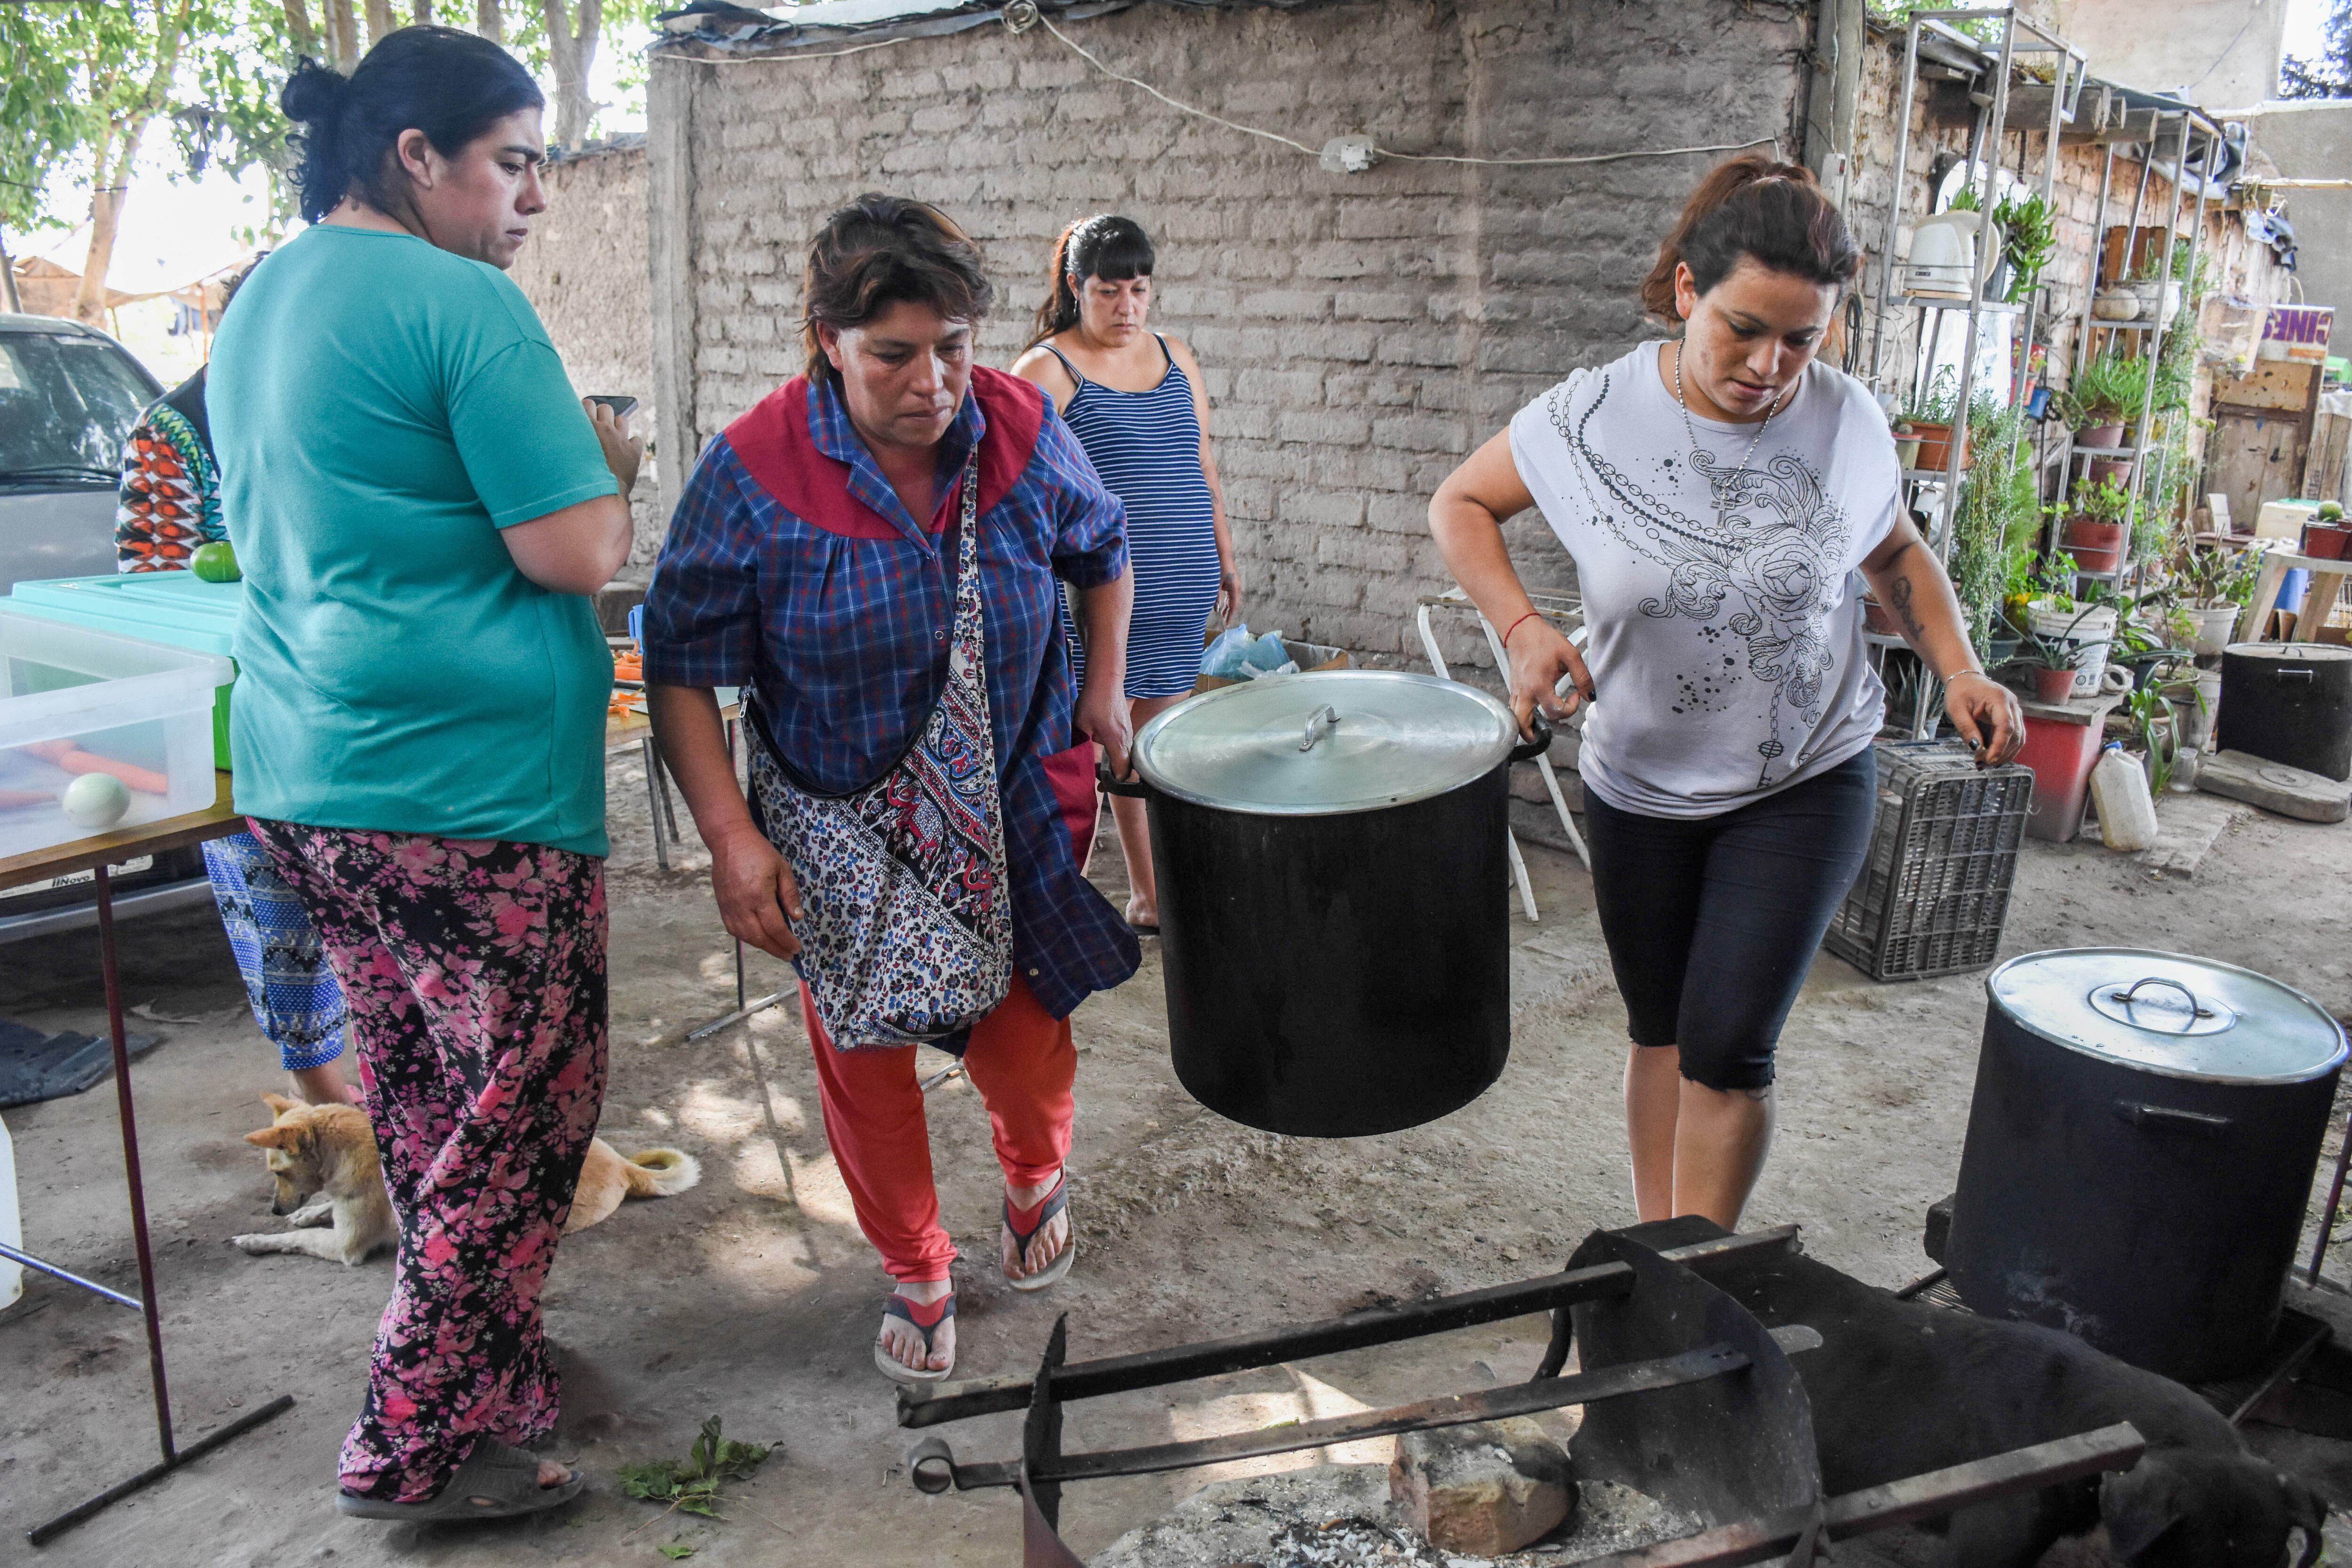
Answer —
(33, 1066)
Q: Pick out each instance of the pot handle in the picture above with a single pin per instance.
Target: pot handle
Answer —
(2141, 1114)
(2126, 996)
(1132, 788)
(1528, 751)
(1319, 723)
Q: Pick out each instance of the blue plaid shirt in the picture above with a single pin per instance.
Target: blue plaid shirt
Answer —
(839, 611)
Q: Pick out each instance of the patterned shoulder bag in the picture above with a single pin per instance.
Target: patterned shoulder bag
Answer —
(906, 929)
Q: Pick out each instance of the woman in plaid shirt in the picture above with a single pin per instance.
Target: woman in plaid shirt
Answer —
(813, 560)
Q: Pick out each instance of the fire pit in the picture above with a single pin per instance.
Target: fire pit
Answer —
(1687, 1400)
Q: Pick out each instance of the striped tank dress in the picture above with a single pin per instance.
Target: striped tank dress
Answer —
(1146, 446)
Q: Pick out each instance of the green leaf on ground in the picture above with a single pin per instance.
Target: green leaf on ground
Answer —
(675, 1550)
(692, 1485)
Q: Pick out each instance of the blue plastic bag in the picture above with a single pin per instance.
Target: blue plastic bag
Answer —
(1223, 657)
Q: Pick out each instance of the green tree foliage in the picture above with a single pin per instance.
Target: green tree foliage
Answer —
(2329, 75)
(87, 83)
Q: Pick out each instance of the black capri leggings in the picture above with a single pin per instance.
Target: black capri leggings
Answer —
(1712, 921)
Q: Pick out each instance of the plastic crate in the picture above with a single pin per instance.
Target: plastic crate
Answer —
(1934, 895)
(73, 700)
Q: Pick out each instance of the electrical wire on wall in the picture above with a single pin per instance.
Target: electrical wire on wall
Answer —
(1358, 153)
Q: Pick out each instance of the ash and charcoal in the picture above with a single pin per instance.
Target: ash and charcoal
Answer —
(1341, 1516)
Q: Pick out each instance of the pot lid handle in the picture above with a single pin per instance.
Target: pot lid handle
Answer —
(2116, 1002)
(1318, 724)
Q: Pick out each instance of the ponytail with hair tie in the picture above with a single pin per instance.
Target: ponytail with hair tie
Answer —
(1106, 245)
(1768, 212)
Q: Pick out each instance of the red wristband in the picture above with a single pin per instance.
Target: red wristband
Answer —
(1515, 624)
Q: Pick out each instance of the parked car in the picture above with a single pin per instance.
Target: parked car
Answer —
(68, 396)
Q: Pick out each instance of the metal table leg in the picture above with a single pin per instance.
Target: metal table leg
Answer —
(654, 802)
(174, 1456)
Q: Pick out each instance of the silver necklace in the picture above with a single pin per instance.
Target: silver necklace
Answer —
(1693, 434)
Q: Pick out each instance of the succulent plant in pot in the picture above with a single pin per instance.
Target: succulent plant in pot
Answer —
(1931, 415)
(2106, 399)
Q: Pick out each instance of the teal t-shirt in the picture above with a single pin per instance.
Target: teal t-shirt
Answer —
(380, 408)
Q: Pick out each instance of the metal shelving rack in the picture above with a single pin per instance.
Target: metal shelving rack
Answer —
(2185, 121)
(1952, 48)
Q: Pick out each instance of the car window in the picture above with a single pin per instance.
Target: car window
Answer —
(66, 404)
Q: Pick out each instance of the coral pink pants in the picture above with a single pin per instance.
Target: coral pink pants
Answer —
(1021, 1060)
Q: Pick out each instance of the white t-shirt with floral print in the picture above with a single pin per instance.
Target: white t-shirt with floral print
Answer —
(1721, 598)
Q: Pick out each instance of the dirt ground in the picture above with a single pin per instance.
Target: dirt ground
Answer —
(753, 1297)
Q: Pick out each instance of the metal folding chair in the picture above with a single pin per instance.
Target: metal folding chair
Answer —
(1563, 611)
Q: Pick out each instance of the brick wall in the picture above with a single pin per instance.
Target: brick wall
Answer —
(585, 270)
(1359, 332)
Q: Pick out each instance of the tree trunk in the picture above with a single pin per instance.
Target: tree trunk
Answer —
(105, 222)
(343, 32)
(420, 11)
(379, 21)
(8, 281)
(491, 22)
(298, 22)
(570, 54)
(112, 160)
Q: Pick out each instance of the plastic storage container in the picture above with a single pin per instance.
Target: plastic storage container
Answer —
(73, 702)
(178, 609)
(1934, 895)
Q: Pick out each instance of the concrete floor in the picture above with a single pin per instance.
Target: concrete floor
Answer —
(755, 1299)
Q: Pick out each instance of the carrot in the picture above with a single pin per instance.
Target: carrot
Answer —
(51, 751)
(81, 762)
(25, 799)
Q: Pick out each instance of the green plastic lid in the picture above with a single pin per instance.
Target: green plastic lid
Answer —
(178, 609)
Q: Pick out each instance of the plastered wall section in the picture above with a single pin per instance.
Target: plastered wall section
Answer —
(585, 270)
(1359, 333)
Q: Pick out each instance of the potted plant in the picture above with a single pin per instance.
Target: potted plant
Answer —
(2029, 238)
(2151, 716)
(2093, 532)
(2216, 583)
(2053, 668)
(2193, 695)
(2326, 535)
(2103, 401)
(1931, 416)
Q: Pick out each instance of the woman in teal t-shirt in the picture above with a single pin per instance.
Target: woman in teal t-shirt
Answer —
(421, 508)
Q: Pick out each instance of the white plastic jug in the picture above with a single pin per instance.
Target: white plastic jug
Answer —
(12, 1227)
(2127, 811)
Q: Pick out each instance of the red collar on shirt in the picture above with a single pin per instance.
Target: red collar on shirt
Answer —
(803, 453)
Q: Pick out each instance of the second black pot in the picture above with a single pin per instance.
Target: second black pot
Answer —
(1334, 910)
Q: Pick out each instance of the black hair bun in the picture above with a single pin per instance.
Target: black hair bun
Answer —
(314, 92)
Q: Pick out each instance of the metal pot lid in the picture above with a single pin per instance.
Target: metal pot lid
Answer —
(1324, 742)
(2171, 1014)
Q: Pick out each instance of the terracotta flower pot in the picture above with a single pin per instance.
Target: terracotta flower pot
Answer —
(1936, 446)
(2052, 685)
(2096, 545)
(1877, 618)
(2099, 435)
(2326, 540)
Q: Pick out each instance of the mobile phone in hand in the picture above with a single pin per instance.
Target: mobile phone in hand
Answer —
(620, 403)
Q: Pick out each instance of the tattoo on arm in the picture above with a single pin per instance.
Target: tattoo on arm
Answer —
(1899, 591)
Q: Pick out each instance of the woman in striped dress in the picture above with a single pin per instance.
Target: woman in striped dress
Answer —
(1135, 400)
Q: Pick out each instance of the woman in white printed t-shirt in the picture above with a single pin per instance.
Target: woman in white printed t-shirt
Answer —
(1718, 492)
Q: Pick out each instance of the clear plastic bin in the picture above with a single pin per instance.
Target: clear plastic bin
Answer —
(75, 701)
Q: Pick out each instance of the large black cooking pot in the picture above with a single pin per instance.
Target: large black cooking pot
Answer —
(2288, 702)
(1333, 896)
(2141, 1151)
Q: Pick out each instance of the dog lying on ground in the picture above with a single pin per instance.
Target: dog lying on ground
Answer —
(1898, 1388)
(325, 1160)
